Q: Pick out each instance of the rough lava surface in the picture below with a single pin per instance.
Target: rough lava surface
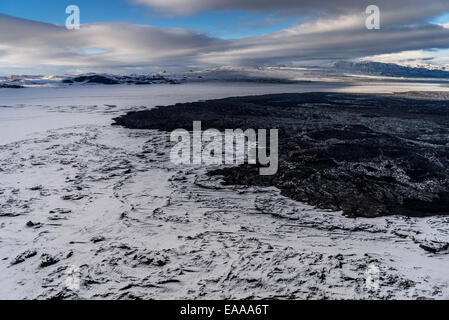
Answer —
(366, 155)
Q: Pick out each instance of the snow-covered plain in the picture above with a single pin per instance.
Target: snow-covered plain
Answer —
(84, 203)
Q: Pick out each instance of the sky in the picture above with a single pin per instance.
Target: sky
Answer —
(126, 36)
(223, 24)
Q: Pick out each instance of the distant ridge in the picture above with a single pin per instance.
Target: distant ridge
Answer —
(285, 75)
(390, 70)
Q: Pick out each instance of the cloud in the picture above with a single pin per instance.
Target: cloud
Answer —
(124, 47)
(399, 10)
(412, 57)
(28, 44)
(261, 23)
(333, 39)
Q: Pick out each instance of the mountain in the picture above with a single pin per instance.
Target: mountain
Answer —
(117, 79)
(391, 70)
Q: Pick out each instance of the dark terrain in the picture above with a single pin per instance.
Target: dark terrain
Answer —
(366, 155)
(112, 80)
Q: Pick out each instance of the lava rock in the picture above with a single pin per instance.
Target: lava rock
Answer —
(48, 260)
(11, 86)
(365, 155)
(23, 256)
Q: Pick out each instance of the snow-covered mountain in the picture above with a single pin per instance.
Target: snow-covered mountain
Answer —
(392, 70)
(109, 79)
(23, 81)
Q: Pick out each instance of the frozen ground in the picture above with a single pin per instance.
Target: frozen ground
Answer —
(83, 201)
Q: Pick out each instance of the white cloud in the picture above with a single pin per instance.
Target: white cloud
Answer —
(413, 57)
